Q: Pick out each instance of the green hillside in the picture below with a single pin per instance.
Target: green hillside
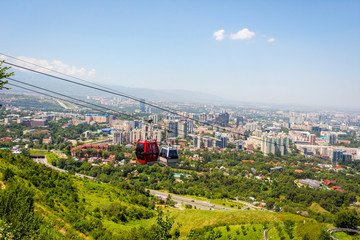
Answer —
(40, 203)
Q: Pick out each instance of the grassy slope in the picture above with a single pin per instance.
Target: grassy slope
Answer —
(318, 209)
(96, 194)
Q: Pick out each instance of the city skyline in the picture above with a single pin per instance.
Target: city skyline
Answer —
(280, 53)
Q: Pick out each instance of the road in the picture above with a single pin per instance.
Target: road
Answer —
(180, 200)
(45, 162)
(266, 233)
(334, 230)
(193, 202)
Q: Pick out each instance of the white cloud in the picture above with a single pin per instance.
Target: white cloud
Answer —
(219, 35)
(271, 40)
(55, 65)
(243, 34)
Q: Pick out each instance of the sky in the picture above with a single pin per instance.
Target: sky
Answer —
(284, 52)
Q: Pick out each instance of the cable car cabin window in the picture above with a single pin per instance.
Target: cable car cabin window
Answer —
(140, 151)
(173, 154)
(163, 153)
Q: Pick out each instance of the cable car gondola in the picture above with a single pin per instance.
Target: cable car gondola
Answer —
(147, 152)
(169, 155)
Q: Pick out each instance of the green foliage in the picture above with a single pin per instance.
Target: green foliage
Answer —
(67, 198)
(8, 174)
(324, 235)
(347, 219)
(4, 74)
(163, 226)
(17, 209)
(289, 228)
(306, 237)
(6, 232)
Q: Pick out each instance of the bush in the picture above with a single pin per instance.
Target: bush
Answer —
(347, 219)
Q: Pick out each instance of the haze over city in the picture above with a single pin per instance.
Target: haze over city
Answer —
(301, 53)
(174, 120)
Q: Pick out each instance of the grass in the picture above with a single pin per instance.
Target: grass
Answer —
(344, 236)
(245, 231)
(118, 229)
(308, 227)
(38, 152)
(315, 207)
(192, 218)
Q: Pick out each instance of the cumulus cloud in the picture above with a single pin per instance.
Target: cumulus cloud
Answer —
(271, 40)
(243, 34)
(219, 35)
(55, 65)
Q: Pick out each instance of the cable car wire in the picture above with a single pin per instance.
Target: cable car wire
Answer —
(122, 95)
(76, 99)
(79, 100)
(48, 95)
(98, 110)
(80, 79)
(130, 97)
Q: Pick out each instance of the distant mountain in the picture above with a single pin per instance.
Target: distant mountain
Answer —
(174, 95)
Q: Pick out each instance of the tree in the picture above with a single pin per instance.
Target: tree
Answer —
(163, 227)
(324, 235)
(347, 219)
(17, 209)
(289, 228)
(4, 74)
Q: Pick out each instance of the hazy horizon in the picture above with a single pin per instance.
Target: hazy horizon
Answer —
(300, 53)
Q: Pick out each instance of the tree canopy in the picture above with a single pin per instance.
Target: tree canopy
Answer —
(4, 74)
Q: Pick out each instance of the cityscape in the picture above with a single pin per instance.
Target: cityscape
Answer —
(180, 120)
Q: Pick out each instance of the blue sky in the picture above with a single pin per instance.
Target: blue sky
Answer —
(312, 59)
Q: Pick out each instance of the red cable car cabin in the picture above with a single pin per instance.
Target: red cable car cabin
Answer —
(147, 151)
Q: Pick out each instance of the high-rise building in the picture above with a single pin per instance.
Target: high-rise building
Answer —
(277, 145)
(183, 129)
(117, 138)
(135, 135)
(203, 117)
(239, 121)
(337, 156)
(196, 141)
(347, 157)
(137, 124)
(142, 105)
(223, 119)
(158, 135)
(312, 139)
(296, 118)
(222, 142)
(146, 132)
(332, 138)
(154, 118)
(316, 130)
(190, 125)
(172, 129)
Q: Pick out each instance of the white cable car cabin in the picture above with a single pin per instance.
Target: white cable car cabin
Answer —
(169, 155)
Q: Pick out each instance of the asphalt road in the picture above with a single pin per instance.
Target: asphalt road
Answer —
(193, 202)
(45, 162)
